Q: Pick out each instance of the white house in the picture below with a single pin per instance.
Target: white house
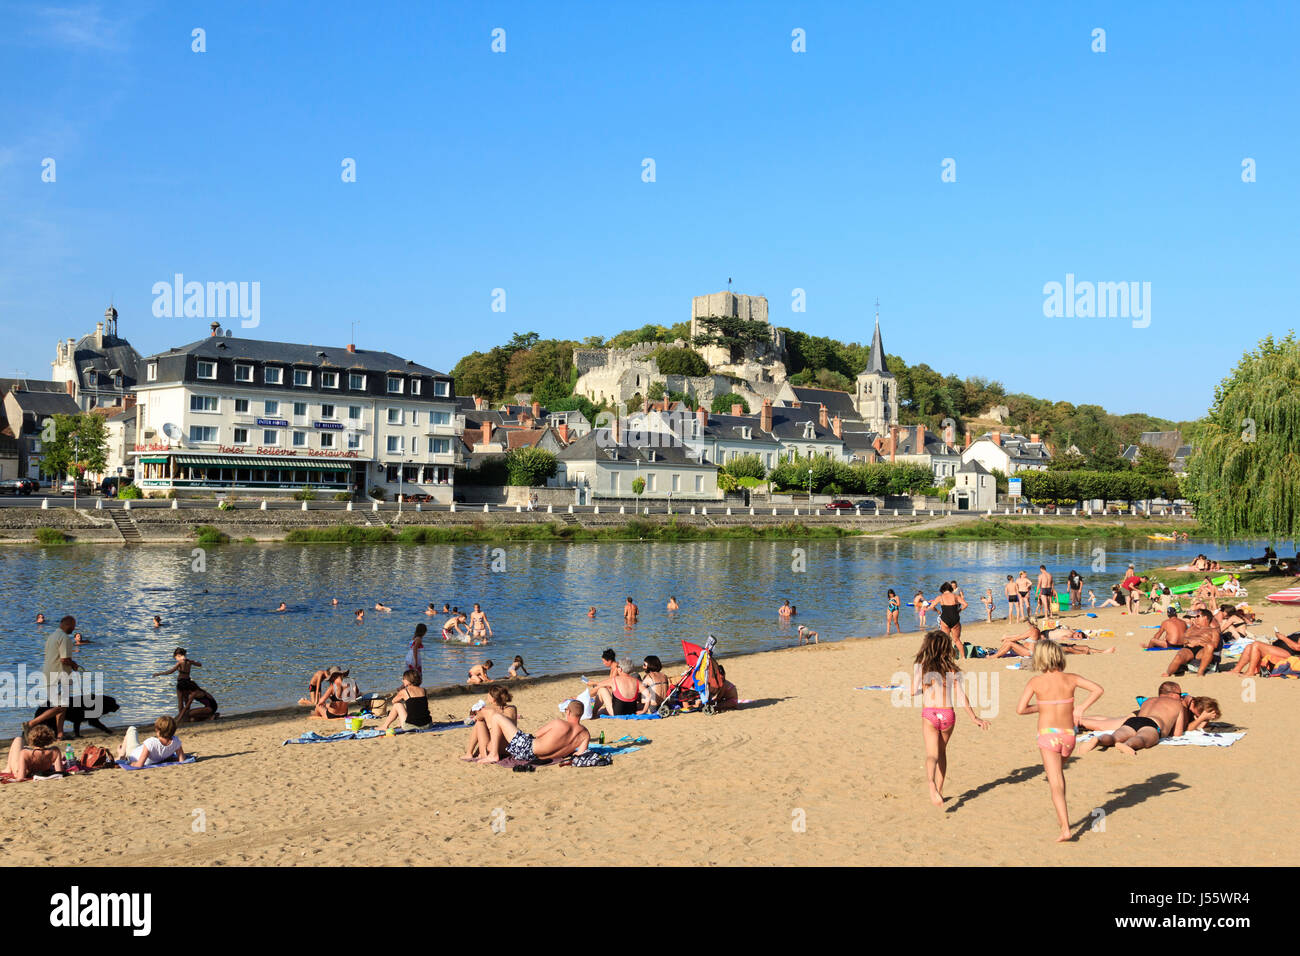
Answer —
(606, 463)
(1008, 453)
(975, 490)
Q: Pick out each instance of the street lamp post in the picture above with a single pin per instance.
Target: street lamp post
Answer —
(810, 487)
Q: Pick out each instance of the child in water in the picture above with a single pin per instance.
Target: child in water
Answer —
(937, 679)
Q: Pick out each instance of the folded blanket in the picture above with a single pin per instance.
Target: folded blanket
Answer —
(127, 765)
(312, 737)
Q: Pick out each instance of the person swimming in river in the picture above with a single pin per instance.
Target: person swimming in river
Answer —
(282, 607)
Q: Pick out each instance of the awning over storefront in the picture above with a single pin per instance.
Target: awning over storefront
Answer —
(257, 461)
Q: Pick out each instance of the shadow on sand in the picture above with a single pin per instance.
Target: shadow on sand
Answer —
(1129, 795)
(1019, 775)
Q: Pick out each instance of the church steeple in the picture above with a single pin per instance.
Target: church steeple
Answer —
(876, 398)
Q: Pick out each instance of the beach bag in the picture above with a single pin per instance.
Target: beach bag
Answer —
(93, 757)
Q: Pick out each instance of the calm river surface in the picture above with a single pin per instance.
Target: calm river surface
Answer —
(254, 658)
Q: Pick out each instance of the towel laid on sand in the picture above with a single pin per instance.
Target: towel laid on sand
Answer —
(624, 745)
(1193, 738)
(127, 765)
(312, 737)
(880, 687)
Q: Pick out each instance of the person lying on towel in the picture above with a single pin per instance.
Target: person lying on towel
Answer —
(158, 749)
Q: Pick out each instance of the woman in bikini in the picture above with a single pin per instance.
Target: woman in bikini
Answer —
(1259, 655)
(37, 756)
(950, 606)
(892, 606)
(410, 706)
(937, 679)
(621, 694)
(655, 683)
(1058, 718)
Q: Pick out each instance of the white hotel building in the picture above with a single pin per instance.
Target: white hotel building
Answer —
(240, 414)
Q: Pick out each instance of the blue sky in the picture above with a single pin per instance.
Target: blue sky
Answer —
(523, 171)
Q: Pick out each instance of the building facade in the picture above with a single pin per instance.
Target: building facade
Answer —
(247, 415)
(99, 370)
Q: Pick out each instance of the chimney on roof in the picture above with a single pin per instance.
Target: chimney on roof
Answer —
(487, 432)
(796, 404)
(878, 444)
(837, 427)
(352, 348)
(765, 416)
(99, 335)
(537, 411)
(617, 430)
(562, 430)
(128, 401)
(968, 438)
(822, 418)
(216, 329)
(1033, 438)
(737, 409)
(996, 437)
(702, 418)
(920, 439)
(893, 442)
(71, 386)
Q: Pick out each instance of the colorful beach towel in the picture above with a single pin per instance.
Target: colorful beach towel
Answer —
(880, 687)
(654, 716)
(369, 733)
(127, 765)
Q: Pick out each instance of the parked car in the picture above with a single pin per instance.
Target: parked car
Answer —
(79, 486)
(866, 504)
(19, 486)
(840, 504)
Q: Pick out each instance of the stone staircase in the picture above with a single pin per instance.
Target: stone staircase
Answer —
(126, 526)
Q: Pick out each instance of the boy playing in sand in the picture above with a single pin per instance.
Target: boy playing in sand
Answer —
(478, 674)
(807, 635)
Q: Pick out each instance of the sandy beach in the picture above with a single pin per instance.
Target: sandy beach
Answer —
(728, 789)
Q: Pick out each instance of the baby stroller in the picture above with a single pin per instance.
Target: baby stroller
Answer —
(699, 687)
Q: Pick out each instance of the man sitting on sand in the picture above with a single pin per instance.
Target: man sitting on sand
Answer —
(1202, 646)
(1171, 633)
(562, 737)
(1160, 716)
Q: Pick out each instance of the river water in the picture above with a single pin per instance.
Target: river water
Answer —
(537, 603)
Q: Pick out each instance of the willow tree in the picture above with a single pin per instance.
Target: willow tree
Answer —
(1245, 475)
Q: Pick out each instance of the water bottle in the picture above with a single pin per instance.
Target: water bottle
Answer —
(602, 738)
(69, 758)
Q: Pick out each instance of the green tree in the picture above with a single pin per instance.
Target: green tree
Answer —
(1153, 462)
(732, 333)
(722, 403)
(638, 485)
(529, 466)
(73, 443)
(675, 361)
(1245, 474)
(746, 466)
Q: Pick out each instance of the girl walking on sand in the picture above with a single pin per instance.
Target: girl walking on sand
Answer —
(937, 679)
(1057, 718)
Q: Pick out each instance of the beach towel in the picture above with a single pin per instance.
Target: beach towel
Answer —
(127, 765)
(1193, 738)
(880, 687)
(624, 745)
(369, 733)
(654, 716)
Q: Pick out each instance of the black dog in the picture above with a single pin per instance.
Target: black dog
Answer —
(76, 714)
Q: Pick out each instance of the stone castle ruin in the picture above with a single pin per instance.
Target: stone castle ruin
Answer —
(616, 375)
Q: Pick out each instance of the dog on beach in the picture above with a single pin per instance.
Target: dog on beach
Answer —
(76, 714)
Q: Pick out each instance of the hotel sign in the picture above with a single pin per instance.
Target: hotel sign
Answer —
(273, 422)
(332, 426)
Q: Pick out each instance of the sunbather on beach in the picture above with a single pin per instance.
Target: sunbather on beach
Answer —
(164, 746)
(619, 694)
(1159, 716)
(654, 684)
(313, 689)
(498, 702)
(1117, 597)
(1171, 633)
(728, 697)
(936, 678)
(410, 705)
(1260, 655)
(1022, 645)
(1202, 646)
(37, 756)
(330, 702)
(558, 738)
(1058, 717)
